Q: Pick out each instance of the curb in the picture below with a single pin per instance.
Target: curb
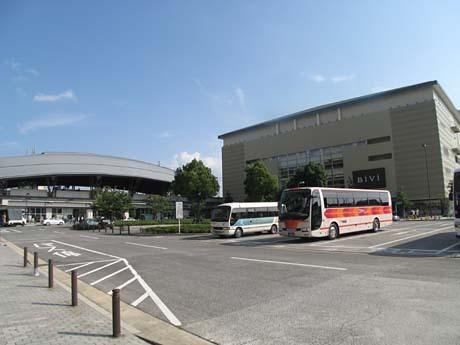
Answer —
(141, 324)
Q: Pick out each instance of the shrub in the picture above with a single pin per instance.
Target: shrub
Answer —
(156, 222)
(186, 229)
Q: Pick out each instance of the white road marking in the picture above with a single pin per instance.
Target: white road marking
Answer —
(447, 248)
(92, 237)
(99, 268)
(110, 275)
(58, 232)
(401, 233)
(18, 231)
(126, 283)
(290, 263)
(77, 267)
(164, 309)
(80, 263)
(88, 250)
(140, 299)
(408, 237)
(145, 245)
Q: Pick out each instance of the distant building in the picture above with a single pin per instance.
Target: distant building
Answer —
(374, 141)
(62, 185)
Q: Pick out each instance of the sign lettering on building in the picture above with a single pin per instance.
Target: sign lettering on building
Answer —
(372, 178)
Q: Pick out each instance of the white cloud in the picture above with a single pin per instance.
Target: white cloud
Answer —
(341, 78)
(7, 145)
(214, 163)
(240, 96)
(56, 120)
(13, 64)
(165, 134)
(319, 78)
(41, 97)
(32, 71)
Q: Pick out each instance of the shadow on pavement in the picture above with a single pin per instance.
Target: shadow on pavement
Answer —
(444, 244)
(51, 304)
(81, 334)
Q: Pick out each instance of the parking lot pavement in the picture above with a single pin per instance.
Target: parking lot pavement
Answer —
(268, 289)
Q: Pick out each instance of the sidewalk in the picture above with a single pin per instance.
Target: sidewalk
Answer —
(33, 314)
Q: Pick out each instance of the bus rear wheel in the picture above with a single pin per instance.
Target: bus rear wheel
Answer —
(273, 229)
(375, 225)
(333, 232)
(238, 233)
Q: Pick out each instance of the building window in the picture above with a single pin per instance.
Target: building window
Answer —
(380, 157)
(378, 140)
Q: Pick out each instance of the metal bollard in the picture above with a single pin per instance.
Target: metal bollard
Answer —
(116, 319)
(74, 289)
(25, 256)
(36, 264)
(50, 273)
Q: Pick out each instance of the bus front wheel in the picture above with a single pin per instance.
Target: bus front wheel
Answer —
(376, 225)
(273, 229)
(238, 233)
(333, 231)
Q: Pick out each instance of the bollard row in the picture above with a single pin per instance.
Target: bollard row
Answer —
(116, 311)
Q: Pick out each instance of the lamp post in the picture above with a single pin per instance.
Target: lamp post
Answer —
(427, 179)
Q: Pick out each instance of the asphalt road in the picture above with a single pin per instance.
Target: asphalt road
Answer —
(397, 286)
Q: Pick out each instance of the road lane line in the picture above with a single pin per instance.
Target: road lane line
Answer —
(110, 275)
(88, 250)
(447, 248)
(99, 268)
(164, 309)
(126, 283)
(407, 237)
(140, 299)
(92, 237)
(145, 245)
(290, 263)
(83, 265)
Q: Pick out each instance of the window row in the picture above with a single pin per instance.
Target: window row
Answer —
(240, 214)
(351, 199)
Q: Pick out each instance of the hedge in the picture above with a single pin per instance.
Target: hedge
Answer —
(186, 229)
(156, 222)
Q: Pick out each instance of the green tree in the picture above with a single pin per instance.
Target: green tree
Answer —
(259, 184)
(310, 175)
(158, 204)
(196, 182)
(112, 204)
(228, 197)
(403, 202)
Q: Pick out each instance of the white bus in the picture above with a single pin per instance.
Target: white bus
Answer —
(329, 212)
(456, 197)
(236, 219)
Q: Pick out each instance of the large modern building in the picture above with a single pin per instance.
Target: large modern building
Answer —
(62, 185)
(404, 139)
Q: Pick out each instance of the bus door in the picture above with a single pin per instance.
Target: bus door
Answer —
(315, 218)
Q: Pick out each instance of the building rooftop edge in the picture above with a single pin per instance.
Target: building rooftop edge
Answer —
(334, 105)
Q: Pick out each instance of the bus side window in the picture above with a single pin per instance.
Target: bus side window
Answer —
(384, 199)
(315, 211)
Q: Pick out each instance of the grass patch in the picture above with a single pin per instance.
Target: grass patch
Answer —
(156, 222)
(184, 228)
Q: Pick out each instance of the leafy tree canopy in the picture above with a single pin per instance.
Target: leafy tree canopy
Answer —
(112, 204)
(259, 184)
(196, 182)
(310, 175)
(158, 204)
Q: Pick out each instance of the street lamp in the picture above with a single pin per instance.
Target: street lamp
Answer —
(427, 179)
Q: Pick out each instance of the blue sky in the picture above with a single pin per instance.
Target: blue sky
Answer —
(160, 80)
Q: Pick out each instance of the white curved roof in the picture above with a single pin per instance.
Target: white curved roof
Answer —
(80, 164)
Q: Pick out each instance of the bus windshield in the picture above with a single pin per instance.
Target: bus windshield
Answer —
(295, 204)
(457, 194)
(220, 214)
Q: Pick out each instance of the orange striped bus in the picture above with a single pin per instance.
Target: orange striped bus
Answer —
(330, 212)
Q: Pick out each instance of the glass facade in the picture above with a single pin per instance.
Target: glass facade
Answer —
(331, 157)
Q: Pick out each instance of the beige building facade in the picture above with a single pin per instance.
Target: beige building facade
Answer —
(375, 141)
